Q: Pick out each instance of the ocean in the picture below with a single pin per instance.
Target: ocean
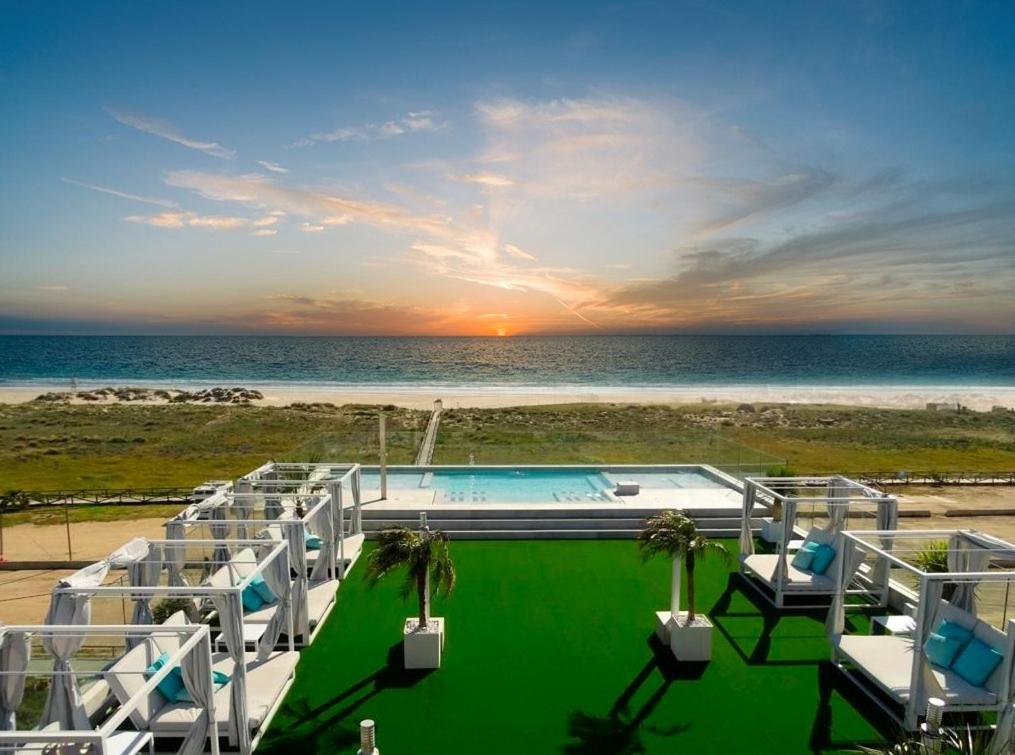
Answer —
(517, 362)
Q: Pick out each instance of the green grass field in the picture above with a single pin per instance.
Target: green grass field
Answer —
(44, 447)
(548, 651)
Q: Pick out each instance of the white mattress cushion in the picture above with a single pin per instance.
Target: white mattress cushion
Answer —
(126, 677)
(265, 682)
(320, 596)
(888, 660)
(763, 565)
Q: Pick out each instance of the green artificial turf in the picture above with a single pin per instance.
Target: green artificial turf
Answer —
(548, 651)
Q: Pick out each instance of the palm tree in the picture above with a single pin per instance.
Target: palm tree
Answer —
(424, 553)
(674, 534)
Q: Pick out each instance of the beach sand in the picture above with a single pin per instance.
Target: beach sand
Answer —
(902, 397)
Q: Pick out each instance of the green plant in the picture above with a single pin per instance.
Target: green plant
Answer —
(424, 553)
(674, 534)
(933, 558)
(968, 742)
(167, 607)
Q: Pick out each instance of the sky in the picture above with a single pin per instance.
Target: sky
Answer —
(505, 169)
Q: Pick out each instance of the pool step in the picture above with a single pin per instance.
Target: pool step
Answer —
(492, 525)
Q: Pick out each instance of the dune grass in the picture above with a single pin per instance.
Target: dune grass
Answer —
(549, 650)
(45, 447)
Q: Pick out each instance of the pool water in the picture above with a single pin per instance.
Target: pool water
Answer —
(528, 485)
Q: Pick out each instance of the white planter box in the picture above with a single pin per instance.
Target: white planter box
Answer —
(423, 647)
(771, 531)
(691, 643)
(664, 620)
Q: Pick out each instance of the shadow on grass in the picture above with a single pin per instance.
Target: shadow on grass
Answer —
(327, 727)
(619, 732)
(831, 681)
(770, 617)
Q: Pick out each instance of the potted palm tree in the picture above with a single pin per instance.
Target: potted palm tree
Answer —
(425, 555)
(674, 534)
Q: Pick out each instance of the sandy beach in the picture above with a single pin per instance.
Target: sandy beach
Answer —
(422, 397)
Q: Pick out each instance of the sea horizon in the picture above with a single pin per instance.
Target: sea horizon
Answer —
(519, 363)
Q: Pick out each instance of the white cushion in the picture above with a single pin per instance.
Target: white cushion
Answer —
(320, 596)
(126, 678)
(888, 661)
(763, 565)
(265, 682)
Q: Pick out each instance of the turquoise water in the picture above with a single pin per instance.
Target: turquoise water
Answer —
(518, 363)
(482, 485)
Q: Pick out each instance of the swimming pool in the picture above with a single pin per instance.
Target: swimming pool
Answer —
(534, 484)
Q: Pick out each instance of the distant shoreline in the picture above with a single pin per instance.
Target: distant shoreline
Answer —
(979, 398)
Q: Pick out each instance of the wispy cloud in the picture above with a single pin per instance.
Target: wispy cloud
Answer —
(493, 180)
(121, 194)
(53, 287)
(265, 232)
(168, 131)
(273, 167)
(412, 122)
(176, 220)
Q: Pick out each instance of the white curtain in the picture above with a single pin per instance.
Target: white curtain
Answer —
(175, 555)
(196, 667)
(273, 507)
(838, 509)
(851, 556)
(788, 527)
(230, 609)
(965, 556)
(15, 652)
(886, 520)
(276, 576)
(298, 561)
(923, 685)
(143, 562)
(63, 702)
(219, 528)
(322, 526)
(1001, 742)
(746, 538)
(243, 502)
(357, 503)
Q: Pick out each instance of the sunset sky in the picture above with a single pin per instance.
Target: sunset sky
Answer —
(486, 168)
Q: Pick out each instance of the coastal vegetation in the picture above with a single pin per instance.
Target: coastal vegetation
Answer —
(46, 446)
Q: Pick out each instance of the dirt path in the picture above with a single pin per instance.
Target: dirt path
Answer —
(89, 540)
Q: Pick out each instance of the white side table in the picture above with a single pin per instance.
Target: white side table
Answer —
(900, 626)
(252, 634)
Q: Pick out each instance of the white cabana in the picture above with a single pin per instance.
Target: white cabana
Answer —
(235, 517)
(285, 485)
(219, 573)
(827, 505)
(110, 724)
(896, 670)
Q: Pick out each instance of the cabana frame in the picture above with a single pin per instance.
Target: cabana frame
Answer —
(772, 575)
(107, 738)
(909, 704)
(201, 518)
(301, 478)
(239, 734)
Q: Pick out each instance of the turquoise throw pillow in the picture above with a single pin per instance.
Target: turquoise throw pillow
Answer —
(822, 559)
(941, 650)
(954, 631)
(313, 542)
(977, 662)
(265, 593)
(252, 601)
(171, 683)
(219, 679)
(803, 558)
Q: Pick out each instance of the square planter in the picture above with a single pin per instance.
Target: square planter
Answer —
(664, 620)
(691, 643)
(423, 647)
